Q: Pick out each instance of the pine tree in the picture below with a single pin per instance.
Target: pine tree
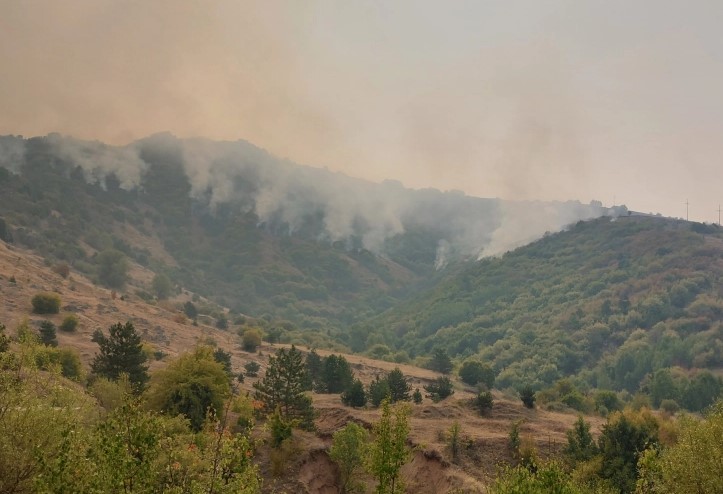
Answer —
(389, 451)
(440, 361)
(378, 391)
(283, 387)
(48, 334)
(336, 375)
(354, 395)
(121, 352)
(399, 388)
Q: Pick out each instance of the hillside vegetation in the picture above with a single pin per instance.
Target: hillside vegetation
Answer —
(610, 302)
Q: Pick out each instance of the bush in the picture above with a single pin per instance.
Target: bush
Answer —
(251, 340)
(252, 368)
(354, 395)
(473, 372)
(62, 269)
(69, 324)
(46, 303)
(483, 402)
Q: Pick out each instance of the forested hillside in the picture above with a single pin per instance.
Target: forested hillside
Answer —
(265, 237)
(633, 303)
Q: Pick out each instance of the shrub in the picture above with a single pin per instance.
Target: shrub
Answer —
(69, 324)
(483, 402)
(417, 396)
(46, 303)
(251, 339)
(252, 368)
(62, 269)
(473, 372)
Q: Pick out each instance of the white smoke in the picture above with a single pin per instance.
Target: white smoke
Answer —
(283, 193)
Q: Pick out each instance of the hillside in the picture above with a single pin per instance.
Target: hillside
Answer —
(263, 236)
(165, 330)
(608, 301)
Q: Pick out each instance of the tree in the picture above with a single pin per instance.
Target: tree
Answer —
(354, 395)
(527, 395)
(417, 397)
(194, 384)
(46, 303)
(623, 439)
(336, 375)
(440, 361)
(580, 444)
(283, 386)
(399, 388)
(223, 358)
(314, 367)
(473, 372)
(47, 333)
(378, 391)
(121, 353)
(190, 310)
(348, 450)
(693, 464)
(162, 286)
(389, 451)
(112, 268)
(440, 389)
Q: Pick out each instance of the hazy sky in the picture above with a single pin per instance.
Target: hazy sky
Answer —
(529, 99)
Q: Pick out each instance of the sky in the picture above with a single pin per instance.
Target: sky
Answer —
(617, 101)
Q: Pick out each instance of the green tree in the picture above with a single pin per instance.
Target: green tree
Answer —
(473, 372)
(440, 389)
(314, 366)
(694, 463)
(336, 375)
(190, 310)
(194, 384)
(527, 395)
(702, 391)
(389, 452)
(48, 334)
(399, 387)
(348, 450)
(440, 361)
(662, 387)
(417, 396)
(549, 478)
(378, 390)
(623, 439)
(283, 386)
(162, 286)
(223, 358)
(121, 353)
(354, 395)
(112, 268)
(580, 443)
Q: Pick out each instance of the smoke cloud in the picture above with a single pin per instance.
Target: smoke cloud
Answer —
(288, 197)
